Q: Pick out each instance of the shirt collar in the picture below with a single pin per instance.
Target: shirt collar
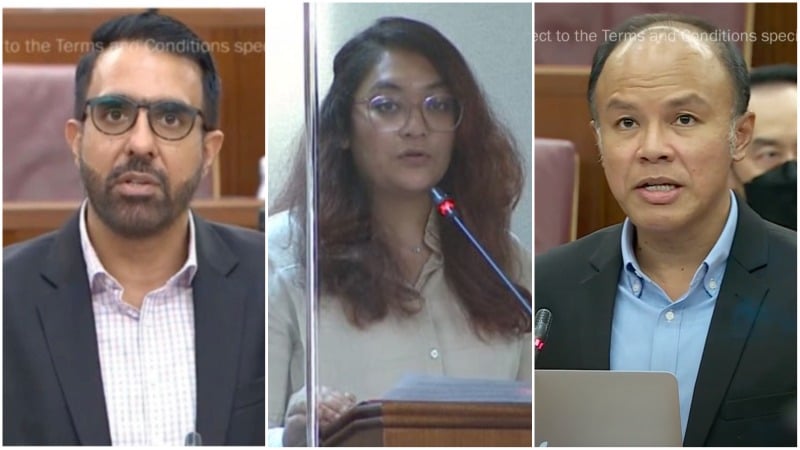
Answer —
(431, 238)
(712, 268)
(100, 279)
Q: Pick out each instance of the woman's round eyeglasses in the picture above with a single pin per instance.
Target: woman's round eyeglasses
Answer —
(392, 113)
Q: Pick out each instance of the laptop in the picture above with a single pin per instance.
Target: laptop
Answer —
(605, 408)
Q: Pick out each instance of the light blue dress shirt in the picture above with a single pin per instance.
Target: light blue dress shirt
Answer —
(650, 332)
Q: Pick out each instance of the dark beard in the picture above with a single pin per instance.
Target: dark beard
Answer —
(137, 217)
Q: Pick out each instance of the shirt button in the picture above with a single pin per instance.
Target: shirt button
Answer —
(636, 287)
(670, 315)
(712, 284)
(434, 353)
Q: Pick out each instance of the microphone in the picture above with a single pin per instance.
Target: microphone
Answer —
(193, 439)
(447, 208)
(541, 328)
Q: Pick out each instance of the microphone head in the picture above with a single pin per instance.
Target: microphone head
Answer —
(193, 439)
(444, 204)
(438, 195)
(542, 324)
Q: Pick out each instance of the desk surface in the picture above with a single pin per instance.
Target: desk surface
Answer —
(25, 220)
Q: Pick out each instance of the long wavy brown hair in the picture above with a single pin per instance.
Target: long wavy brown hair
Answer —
(485, 177)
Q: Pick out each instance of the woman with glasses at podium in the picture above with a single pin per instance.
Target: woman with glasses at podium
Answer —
(402, 290)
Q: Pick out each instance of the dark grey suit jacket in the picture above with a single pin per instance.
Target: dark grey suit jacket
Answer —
(746, 390)
(52, 387)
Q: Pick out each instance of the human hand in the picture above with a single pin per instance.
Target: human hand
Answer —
(331, 405)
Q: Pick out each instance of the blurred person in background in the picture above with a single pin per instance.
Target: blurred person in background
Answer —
(767, 175)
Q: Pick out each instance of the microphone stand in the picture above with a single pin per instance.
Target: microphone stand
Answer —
(447, 208)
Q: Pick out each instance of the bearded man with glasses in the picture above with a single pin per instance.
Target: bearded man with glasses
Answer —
(137, 323)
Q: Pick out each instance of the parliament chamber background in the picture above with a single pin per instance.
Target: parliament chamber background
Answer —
(41, 48)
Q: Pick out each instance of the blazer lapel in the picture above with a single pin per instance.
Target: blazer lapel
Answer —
(218, 314)
(600, 290)
(68, 322)
(737, 307)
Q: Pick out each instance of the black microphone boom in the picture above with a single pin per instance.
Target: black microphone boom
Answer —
(447, 208)
(541, 328)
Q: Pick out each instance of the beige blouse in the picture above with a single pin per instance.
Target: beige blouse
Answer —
(368, 363)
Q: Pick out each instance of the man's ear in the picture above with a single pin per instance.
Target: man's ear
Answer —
(212, 144)
(743, 135)
(73, 132)
(597, 138)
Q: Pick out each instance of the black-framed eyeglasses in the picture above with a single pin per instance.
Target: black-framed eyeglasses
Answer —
(391, 113)
(168, 119)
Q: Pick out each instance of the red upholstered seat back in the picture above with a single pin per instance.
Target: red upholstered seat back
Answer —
(555, 191)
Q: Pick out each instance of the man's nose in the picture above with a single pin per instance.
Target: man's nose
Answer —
(142, 140)
(654, 147)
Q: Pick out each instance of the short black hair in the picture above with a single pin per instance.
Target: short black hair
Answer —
(773, 74)
(730, 57)
(160, 32)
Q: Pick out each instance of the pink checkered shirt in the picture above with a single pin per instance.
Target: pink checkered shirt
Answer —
(146, 355)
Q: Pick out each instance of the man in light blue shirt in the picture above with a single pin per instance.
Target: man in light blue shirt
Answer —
(694, 282)
(651, 332)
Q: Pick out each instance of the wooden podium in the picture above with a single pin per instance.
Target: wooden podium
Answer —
(432, 424)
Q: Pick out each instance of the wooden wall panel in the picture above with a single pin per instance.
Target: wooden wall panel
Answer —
(53, 36)
(771, 18)
(561, 111)
(576, 21)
